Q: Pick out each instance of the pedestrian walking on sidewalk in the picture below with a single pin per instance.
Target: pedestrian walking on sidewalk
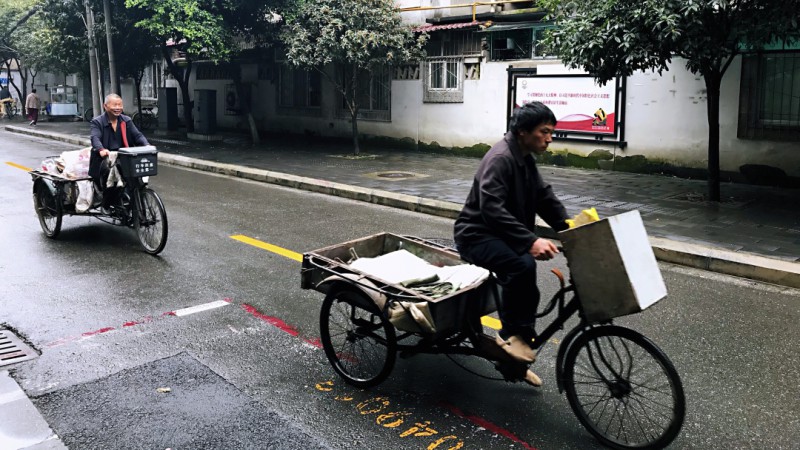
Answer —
(32, 105)
(496, 227)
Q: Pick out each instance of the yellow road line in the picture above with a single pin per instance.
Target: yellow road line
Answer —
(269, 247)
(26, 169)
(487, 321)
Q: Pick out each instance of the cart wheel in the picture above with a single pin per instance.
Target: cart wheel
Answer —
(48, 209)
(151, 222)
(359, 341)
(624, 389)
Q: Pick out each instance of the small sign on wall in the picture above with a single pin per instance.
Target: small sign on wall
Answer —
(578, 102)
(232, 102)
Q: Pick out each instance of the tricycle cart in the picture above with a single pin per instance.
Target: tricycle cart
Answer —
(621, 386)
(138, 206)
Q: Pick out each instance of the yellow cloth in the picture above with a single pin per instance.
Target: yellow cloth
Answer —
(585, 216)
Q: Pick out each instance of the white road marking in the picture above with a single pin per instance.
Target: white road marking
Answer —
(200, 308)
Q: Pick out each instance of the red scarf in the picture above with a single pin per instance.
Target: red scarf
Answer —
(124, 133)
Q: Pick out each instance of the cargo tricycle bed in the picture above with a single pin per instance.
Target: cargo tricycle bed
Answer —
(368, 316)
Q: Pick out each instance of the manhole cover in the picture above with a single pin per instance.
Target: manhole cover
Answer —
(13, 350)
(395, 175)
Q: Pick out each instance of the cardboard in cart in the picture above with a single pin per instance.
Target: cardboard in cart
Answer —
(613, 266)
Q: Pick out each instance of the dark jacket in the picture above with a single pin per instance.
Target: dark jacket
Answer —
(102, 136)
(507, 194)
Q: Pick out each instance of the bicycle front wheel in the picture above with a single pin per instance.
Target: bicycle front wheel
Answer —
(359, 341)
(151, 222)
(624, 389)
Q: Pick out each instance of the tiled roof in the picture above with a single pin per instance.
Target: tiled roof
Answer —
(428, 27)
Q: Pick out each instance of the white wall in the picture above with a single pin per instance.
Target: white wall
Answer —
(665, 117)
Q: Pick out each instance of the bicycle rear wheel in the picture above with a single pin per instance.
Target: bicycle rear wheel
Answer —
(11, 110)
(151, 222)
(624, 389)
(48, 209)
(359, 341)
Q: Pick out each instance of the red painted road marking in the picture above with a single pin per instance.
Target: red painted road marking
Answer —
(281, 325)
(488, 425)
(128, 324)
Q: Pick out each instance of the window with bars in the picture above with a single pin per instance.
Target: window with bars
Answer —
(299, 91)
(769, 103)
(374, 96)
(444, 79)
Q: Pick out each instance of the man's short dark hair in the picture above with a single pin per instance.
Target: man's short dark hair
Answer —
(529, 116)
(33, 90)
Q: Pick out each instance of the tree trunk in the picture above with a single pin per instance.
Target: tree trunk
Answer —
(137, 84)
(354, 109)
(112, 63)
(354, 119)
(97, 104)
(244, 101)
(182, 76)
(713, 82)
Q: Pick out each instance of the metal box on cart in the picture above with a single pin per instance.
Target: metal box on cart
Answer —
(613, 267)
(447, 312)
(138, 161)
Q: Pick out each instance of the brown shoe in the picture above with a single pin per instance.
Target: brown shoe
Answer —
(517, 348)
(532, 379)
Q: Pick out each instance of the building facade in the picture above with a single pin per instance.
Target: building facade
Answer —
(461, 95)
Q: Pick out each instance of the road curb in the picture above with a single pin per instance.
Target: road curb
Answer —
(745, 265)
(21, 424)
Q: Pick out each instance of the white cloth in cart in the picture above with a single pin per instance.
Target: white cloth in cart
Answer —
(402, 266)
(85, 196)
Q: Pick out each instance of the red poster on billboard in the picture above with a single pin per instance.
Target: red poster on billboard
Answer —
(579, 104)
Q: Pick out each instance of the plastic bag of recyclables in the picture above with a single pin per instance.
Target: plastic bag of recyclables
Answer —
(76, 163)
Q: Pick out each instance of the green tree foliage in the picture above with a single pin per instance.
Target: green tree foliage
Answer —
(16, 16)
(615, 38)
(351, 37)
(196, 27)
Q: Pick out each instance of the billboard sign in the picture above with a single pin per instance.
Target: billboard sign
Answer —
(579, 104)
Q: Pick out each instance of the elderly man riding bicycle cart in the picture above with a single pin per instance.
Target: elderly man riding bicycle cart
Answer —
(62, 186)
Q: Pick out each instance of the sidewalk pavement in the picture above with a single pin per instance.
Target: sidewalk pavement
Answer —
(753, 233)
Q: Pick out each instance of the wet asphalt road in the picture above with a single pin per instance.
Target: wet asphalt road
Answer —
(94, 305)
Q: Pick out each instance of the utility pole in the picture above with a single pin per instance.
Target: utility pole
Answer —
(93, 75)
(112, 65)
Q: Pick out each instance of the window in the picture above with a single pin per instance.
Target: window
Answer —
(299, 90)
(374, 96)
(769, 103)
(523, 40)
(151, 81)
(444, 79)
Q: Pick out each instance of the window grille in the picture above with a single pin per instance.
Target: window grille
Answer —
(213, 72)
(769, 106)
(299, 91)
(453, 43)
(151, 81)
(443, 80)
(374, 96)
